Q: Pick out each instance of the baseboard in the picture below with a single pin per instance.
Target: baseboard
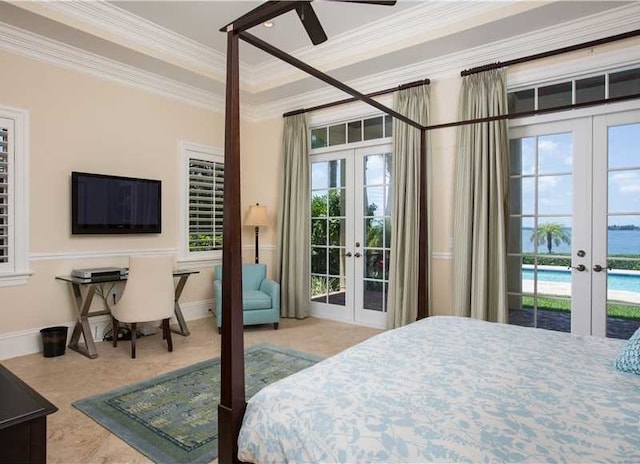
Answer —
(29, 341)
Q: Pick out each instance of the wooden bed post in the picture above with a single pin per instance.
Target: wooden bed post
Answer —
(422, 242)
(232, 393)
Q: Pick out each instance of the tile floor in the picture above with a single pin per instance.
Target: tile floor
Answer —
(75, 438)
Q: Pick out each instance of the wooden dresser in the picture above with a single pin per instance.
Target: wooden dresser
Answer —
(23, 421)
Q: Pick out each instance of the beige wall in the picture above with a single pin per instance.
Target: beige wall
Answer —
(78, 122)
(443, 106)
(261, 148)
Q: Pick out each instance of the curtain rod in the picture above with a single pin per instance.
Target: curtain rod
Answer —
(353, 99)
(559, 51)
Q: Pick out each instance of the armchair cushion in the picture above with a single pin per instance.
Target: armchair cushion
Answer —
(255, 299)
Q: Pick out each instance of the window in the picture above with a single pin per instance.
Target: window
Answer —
(607, 85)
(203, 202)
(375, 127)
(13, 197)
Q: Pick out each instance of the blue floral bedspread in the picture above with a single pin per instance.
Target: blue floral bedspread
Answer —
(456, 390)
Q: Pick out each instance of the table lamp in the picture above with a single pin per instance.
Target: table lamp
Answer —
(256, 217)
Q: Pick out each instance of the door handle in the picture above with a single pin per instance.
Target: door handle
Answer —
(579, 267)
(357, 255)
(599, 268)
(348, 254)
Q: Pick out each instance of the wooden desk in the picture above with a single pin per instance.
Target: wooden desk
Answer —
(23, 421)
(83, 306)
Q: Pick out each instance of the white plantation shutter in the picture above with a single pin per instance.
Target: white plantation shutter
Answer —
(6, 179)
(206, 194)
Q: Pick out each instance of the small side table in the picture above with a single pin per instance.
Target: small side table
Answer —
(23, 421)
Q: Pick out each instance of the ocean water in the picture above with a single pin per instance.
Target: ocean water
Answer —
(619, 241)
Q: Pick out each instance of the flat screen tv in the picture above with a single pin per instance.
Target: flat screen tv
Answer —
(102, 204)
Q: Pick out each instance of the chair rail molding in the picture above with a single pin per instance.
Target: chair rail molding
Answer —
(63, 255)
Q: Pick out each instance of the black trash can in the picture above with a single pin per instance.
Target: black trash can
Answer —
(54, 341)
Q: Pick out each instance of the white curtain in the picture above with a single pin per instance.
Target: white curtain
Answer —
(294, 219)
(402, 301)
(480, 201)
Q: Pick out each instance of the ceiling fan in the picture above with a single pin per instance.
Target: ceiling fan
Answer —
(308, 17)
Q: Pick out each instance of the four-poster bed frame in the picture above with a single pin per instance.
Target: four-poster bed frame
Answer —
(232, 399)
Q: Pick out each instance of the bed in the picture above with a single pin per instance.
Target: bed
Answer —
(456, 390)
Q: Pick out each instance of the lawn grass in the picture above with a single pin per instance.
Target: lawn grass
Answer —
(621, 311)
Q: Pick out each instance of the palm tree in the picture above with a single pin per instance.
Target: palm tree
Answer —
(552, 233)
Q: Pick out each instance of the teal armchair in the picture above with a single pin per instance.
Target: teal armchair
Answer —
(260, 296)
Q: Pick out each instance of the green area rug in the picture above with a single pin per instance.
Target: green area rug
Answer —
(174, 417)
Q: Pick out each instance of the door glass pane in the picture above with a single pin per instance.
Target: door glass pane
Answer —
(336, 173)
(522, 195)
(552, 96)
(624, 191)
(522, 156)
(318, 260)
(623, 237)
(590, 89)
(373, 295)
(337, 202)
(318, 232)
(555, 153)
(337, 291)
(374, 232)
(555, 194)
(624, 146)
(539, 242)
(374, 167)
(373, 201)
(319, 288)
(552, 236)
(337, 232)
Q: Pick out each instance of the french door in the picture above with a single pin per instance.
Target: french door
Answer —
(574, 244)
(351, 234)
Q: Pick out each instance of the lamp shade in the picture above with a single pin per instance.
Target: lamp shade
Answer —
(256, 216)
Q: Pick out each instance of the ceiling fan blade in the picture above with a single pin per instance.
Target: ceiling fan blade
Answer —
(311, 22)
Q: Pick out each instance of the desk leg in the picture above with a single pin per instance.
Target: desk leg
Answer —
(184, 329)
(82, 324)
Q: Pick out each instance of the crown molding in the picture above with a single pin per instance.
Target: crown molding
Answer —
(39, 48)
(99, 17)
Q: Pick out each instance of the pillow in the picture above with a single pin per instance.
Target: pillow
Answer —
(628, 359)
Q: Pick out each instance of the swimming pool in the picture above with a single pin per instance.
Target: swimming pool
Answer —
(616, 281)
